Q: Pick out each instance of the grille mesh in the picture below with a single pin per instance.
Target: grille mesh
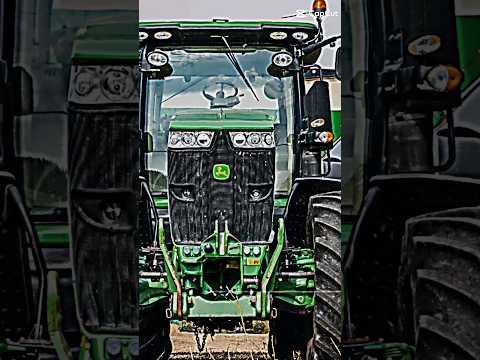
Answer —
(230, 200)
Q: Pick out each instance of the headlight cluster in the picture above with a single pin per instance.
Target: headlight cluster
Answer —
(203, 139)
(252, 250)
(188, 139)
(98, 84)
(114, 346)
(191, 250)
(252, 140)
(159, 35)
(281, 35)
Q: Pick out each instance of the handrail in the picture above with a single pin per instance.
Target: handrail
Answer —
(272, 265)
(159, 234)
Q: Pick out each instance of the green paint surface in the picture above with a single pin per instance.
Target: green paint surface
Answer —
(53, 235)
(298, 292)
(280, 202)
(468, 30)
(227, 120)
(229, 24)
(221, 125)
(346, 231)
(222, 308)
(337, 125)
(161, 203)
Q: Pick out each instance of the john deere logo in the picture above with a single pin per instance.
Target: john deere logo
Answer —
(221, 172)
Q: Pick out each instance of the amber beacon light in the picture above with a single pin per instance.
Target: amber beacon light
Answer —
(319, 6)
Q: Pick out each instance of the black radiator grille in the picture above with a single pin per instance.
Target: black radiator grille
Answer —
(104, 170)
(191, 172)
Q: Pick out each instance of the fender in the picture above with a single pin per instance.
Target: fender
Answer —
(371, 262)
(297, 205)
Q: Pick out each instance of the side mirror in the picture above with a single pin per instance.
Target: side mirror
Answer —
(338, 64)
(317, 123)
(22, 91)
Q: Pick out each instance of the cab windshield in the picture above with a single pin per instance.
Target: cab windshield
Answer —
(205, 86)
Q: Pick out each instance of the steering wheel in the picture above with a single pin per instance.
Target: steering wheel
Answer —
(220, 94)
(220, 100)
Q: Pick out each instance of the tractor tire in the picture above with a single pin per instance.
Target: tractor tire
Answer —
(324, 227)
(155, 343)
(439, 285)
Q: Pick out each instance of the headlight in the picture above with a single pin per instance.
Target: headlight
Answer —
(157, 58)
(189, 140)
(117, 84)
(142, 35)
(162, 35)
(268, 138)
(437, 78)
(175, 138)
(113, 347)
(282, 59)
(425, 44)
(252, 140)
(239, 139)
(441, 78)
(278, 35)
(203, 139)
(85, 82)
(300, 36)
(134, 349)
(325, 137)
(317, 123)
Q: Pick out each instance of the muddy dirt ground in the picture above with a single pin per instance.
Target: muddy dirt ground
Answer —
(221, 347)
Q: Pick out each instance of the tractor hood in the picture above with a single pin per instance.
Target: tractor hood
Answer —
(227, 120)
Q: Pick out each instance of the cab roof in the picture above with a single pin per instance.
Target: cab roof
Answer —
(239, 32)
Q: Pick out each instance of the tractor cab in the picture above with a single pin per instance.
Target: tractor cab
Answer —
(191, 80)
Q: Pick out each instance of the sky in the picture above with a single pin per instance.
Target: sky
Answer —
(242, 10)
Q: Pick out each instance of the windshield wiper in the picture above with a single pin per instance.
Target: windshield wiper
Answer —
(183, 90)
(236, 65)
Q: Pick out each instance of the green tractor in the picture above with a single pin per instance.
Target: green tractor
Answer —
(246, 221)
(411, 186)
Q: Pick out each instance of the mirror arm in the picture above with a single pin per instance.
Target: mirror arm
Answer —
(311, 48)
